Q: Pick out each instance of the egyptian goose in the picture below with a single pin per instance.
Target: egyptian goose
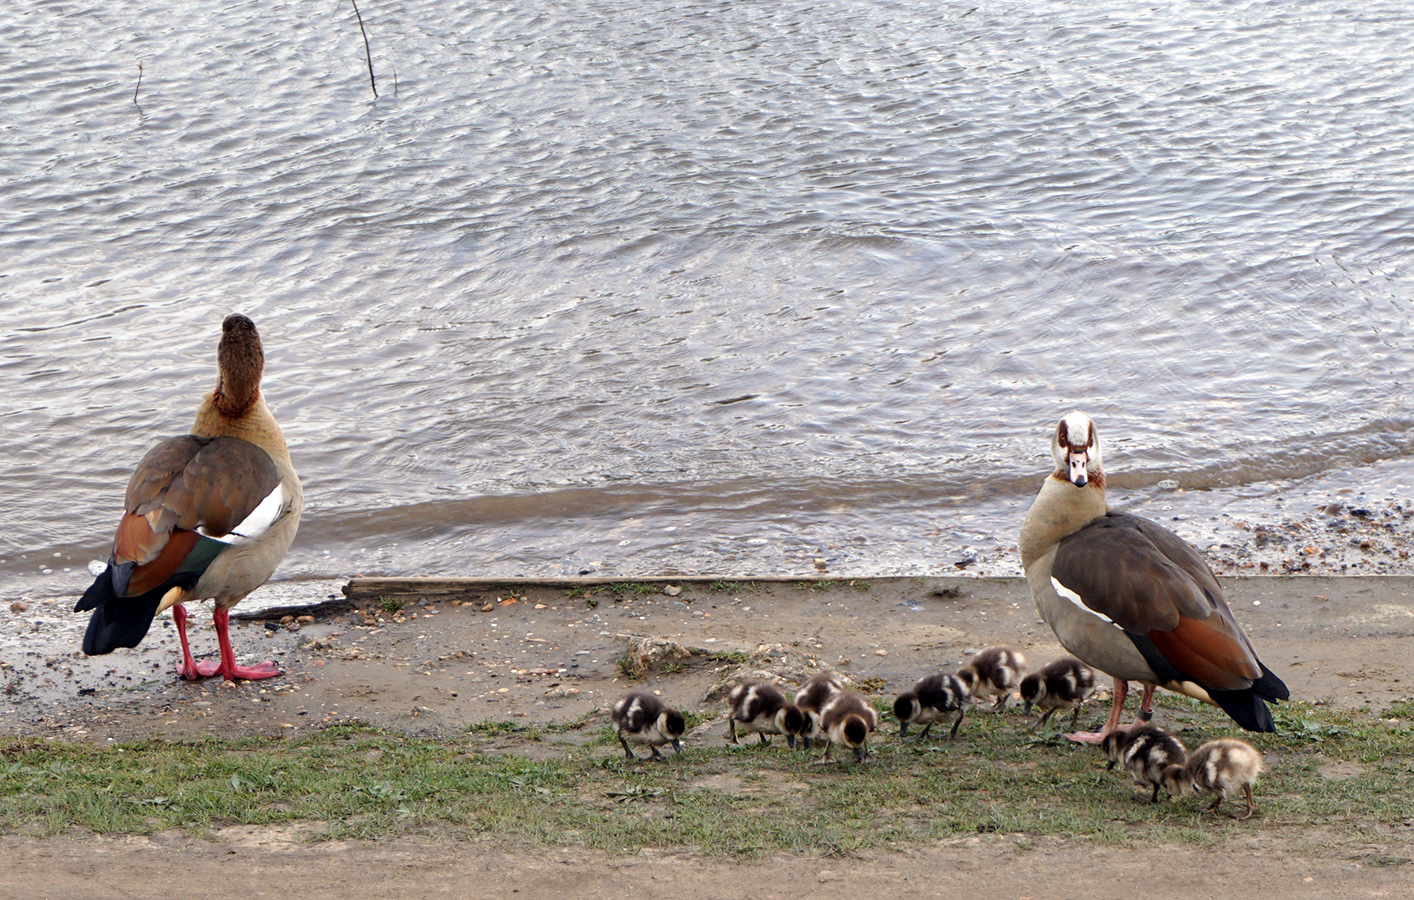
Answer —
(935, 698)
(1130, 598)
(847, 720)
(812, 699)
(1220, 768)
(1062, 684)
(1146, 752)
(759, 707)
(643, 719)
(208, 516)
(994, 672)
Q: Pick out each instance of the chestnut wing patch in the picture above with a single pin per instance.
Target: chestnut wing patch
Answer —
(1207, 655)
(188, 483)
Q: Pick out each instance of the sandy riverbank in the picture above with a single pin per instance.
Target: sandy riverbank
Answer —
(542, 654)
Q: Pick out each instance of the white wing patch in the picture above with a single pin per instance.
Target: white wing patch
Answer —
(266, 514)
(1073, 597)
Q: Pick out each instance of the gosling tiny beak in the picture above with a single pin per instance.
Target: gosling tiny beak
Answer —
(677, 745)
(859, 754)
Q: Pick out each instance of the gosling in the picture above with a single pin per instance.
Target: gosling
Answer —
(935, 698)
(1145, 752)
(812, 699)
(847, 720)
(994, 672)
(1062, 685)
(1219, 768)
(644, 719)
(759, 707)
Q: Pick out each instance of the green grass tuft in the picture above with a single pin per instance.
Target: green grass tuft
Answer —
(1334, 779)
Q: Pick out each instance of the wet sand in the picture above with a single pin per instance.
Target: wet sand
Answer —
(539, 653)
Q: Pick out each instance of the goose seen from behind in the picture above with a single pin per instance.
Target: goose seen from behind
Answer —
(207, 516)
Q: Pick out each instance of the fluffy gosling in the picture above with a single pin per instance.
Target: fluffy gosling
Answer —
(847, 720)
(935, 698)
(644, 719)
(759, 707)
(1219, 768)
(994, 672)
(1146, 752)
(812, 699)
(1061, 685)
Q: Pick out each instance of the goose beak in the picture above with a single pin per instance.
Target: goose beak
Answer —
(1026, 708)
(677, 745)
(859, 754)
(790, 741)
(1078, 460)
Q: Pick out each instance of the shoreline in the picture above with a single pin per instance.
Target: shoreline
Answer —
(439, 655)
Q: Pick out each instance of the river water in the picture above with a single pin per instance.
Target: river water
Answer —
(705, 287)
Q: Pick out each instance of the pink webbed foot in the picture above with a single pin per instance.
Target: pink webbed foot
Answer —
(227, 668)
(1086, 737)
(195, 671)
(1121, 690)
(210, 669)
(256, 672)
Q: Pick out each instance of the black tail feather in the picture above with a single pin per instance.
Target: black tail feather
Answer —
(1246, 709)
(1245, 706)
(116, 621)
(1270, 687)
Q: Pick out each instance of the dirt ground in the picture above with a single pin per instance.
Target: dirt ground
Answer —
(538, 654)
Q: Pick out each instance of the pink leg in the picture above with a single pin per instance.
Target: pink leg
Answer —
(1121, 691)
(1145, 704)
(189, 669)
(228, 668)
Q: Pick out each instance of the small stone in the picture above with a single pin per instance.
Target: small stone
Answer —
(672, 590)
(285, 620)
(821, 563)
(541, 606)
(881, 652)
(18, 607)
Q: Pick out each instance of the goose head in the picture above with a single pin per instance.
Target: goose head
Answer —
(240, 361)
(1076, 449)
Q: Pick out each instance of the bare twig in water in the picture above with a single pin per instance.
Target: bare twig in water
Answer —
(367, 52)
(139, 82)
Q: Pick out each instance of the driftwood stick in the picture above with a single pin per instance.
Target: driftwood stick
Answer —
(366, 52)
